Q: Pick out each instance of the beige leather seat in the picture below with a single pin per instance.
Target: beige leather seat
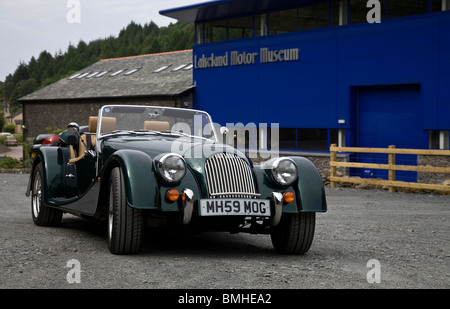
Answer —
(108, 124)
(88, 139)
(157, 126)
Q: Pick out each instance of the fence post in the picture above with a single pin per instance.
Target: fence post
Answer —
(333, 158)
(391, 162)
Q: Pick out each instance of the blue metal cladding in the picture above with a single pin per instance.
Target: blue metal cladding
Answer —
(316, 90)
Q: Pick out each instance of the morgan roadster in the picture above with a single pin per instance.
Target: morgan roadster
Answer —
(140, 166)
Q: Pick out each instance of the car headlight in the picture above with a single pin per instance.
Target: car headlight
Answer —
(284, 171)
(172, 167)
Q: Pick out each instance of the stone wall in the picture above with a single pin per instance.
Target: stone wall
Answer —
(40, 115)
(434, 178)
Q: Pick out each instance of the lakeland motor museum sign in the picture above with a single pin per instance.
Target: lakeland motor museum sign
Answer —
(235, 58)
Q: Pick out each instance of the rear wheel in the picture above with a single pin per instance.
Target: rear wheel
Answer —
(42, 215)
(125, 224)
(294, 234)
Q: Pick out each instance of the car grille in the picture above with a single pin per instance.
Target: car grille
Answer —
(229, 176)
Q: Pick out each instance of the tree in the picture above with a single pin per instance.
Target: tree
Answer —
(22, 88)
(2, 119)
(134, 39)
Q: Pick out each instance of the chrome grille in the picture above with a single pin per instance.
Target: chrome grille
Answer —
(229, 176)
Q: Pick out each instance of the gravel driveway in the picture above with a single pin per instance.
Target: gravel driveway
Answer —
(367, 239)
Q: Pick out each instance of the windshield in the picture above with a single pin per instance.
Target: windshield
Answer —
(125, 119)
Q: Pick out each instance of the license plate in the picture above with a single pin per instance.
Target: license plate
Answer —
(234, 207)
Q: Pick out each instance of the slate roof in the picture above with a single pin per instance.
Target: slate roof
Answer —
(124, 77)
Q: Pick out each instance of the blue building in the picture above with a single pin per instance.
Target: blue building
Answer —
(350, 72)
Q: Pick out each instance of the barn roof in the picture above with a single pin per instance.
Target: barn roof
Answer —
(164, 74)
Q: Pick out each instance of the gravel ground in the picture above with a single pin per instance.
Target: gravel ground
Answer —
(406, 234)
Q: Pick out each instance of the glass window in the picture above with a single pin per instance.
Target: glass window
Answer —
(440, 5)
(240, 28)
(216, 31)
(438, 139)
(283, 21)
(339, 13)
(312, 139)
(334, 136)
(314, 17)
(199, 32)
(261, 25)
(433, 139)
(358, 11)
(445, 5)
(288, 139)
(401, 8)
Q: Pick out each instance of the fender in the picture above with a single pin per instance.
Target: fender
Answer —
(309, 187)
(53, 173)
(141, 185)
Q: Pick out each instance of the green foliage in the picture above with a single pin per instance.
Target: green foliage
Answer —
(9, 128)
(133, 40)
(26, 152)
(50, 130)
(8, 162)
(2, 118)
(19, 138)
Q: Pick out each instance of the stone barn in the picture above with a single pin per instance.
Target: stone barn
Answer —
(158, 79)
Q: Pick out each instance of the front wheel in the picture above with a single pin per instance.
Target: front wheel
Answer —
(294, 234)
(42, 215)
(125, 224)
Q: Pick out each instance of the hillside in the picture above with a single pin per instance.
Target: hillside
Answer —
(133, 40)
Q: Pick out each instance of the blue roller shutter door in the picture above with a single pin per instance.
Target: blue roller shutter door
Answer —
(389, 115)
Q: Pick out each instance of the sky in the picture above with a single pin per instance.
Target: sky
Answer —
(28, 27)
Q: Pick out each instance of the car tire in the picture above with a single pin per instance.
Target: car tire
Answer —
(294, 234)
(42, 215)
(125, 224)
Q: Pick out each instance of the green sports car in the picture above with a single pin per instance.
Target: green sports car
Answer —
(141, 166)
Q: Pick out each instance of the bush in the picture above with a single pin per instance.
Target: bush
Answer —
(11, 128)
(19, 138)
(8, 162)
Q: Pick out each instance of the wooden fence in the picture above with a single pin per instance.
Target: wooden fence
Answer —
(391, 167)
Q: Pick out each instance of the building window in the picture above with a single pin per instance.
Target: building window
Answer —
(440, 5)
(283, 21)
(314, 17)
(216, 31)
(358, 11)
(307, 139)
(402, 8)
(445, 6)
(313, 139)
(438, 139)
(240, 28)
(331, 13)
(339, 13)
(261, 25)
(288, 139)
